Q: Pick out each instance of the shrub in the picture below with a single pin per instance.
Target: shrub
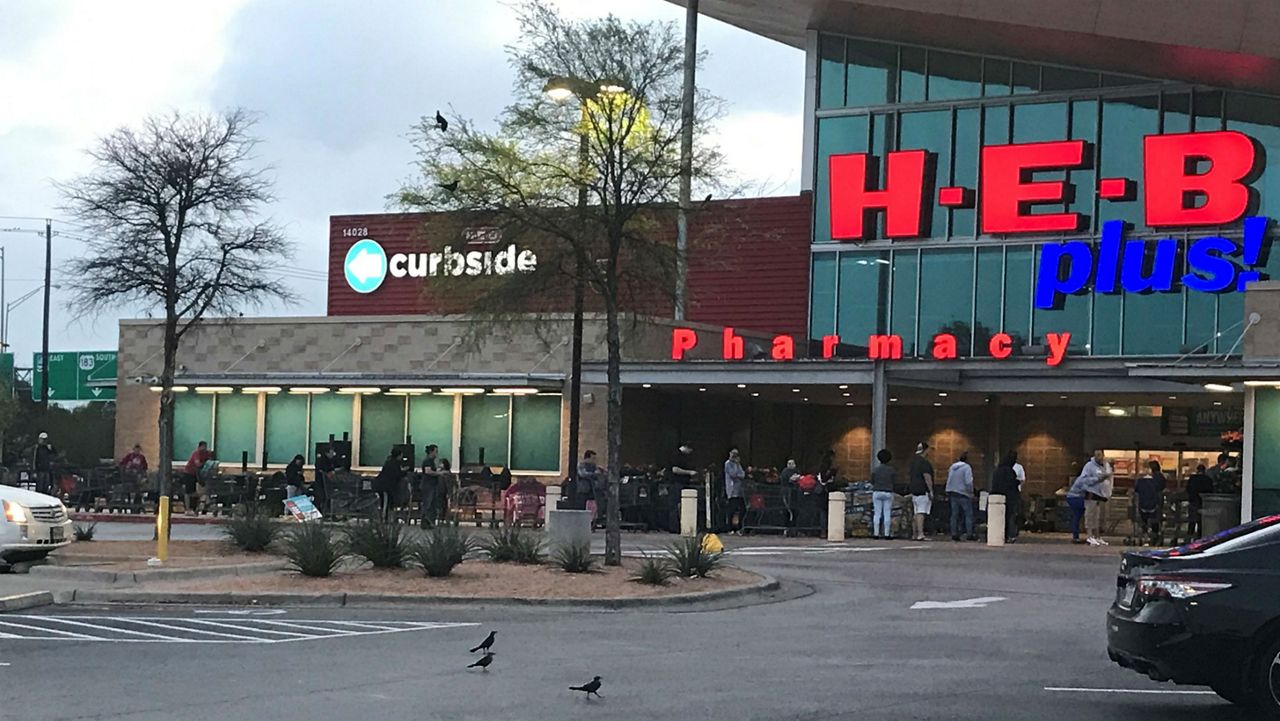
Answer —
(653, 572)
(690, 559)
(513, 545)
(575, 558)
(84, 533)
(251, 528)
(443, 548)
(380, 543)
(312, 549)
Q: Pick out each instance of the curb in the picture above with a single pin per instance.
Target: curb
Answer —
(72, 573)
(23, 601)
(176, 520)
(342, 600)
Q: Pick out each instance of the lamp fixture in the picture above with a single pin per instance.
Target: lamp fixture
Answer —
(214, 389)
(308, 390)
(260, 389)
(1218, 387)
(359, 391)
(462, 391)
(408, 391)
(515, 391)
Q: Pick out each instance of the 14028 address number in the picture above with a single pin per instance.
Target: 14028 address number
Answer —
(355, 232)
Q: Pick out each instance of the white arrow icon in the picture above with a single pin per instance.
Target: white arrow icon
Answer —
(96, 392)
(967, 603)
(365, 265)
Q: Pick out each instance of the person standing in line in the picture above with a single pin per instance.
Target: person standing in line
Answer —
(882, 480)
(1096, 477)
(960, 495)
(1004, 481)
(1197, 485)
(735, 486)
(1075, 503)
(429, 487)
(388, 481)
(293, 477)
(191, 474)
(588, 478)
(42, 456)
(324, 479)
(921, 490)
(1147, 492)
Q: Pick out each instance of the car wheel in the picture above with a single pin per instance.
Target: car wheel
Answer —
(1266, 682)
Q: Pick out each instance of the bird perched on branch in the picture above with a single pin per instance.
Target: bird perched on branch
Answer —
(589, 688)
(450, 186)
(484, 661)
(486, 644)
(441, 122)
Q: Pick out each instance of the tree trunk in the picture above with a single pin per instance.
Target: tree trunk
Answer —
(613, 524)
(164, 464)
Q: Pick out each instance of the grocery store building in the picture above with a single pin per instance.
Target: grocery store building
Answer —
(1037, 225)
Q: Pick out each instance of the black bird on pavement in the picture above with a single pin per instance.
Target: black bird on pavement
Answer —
(486, 644)
(441, 122)
(484, 661)
(450, 187)
(590, 687)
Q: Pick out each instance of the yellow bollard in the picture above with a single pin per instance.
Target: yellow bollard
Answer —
(162, 529)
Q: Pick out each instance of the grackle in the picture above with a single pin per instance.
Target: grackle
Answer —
(441, 122)
(484, 661)
(449, 186)
(590, 687)
(486, 644)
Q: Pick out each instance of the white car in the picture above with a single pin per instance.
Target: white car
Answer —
(31, 525)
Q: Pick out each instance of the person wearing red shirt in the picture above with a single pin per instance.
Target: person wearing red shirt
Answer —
(191, 474)
(134, 461)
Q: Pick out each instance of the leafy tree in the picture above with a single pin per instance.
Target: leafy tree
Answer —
(172, 209)
(583, 168)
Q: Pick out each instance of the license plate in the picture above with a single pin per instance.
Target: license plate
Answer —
(57, 534)
(1127, 593)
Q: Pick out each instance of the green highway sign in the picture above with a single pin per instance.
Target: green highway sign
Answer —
(76, 375)
(6, 369)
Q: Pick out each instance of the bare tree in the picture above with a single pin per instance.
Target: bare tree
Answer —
(172, 208)
(579, 168)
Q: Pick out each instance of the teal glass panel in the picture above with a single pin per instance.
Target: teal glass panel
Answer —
(822, 295)
(965, 169)
(381, 427)
(1202, 315)
(1266, 440)
(954, 76)
(995, 125)
(192, 423)
(902, 318)
(485, 422)
(1072, 317)
(883, 139)
(872, 73)
(989, 306)
(1026, 78)
(1259, 118)
(535, 433)
(863, 278)
(1111, 80)
(1017, 293)
(236, 427)
(830, 72)
(930, 130)
(1208, 110)
(330, 415)
(946, 295)
(1054, 78)
(1152, 323)
(1084, 126)
(1106, 324)
(836, 136)
(1230, 321)
(286, 432)
(911, 75)
(1175, 113)
(1039, 122)
(431, 421)
(1124, 124)
(995, 77)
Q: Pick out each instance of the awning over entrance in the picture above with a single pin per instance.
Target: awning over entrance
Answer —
(539, 381)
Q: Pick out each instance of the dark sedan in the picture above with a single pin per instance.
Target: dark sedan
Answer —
(1206, 614)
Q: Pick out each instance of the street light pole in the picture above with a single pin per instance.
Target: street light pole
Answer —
(579, 301)
(44, 343)
(686, 154)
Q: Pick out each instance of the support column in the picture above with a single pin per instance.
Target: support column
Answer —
(994, 451)
(879, 410)
(1247, 455)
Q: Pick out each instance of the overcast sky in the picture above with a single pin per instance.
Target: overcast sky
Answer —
(338, 83)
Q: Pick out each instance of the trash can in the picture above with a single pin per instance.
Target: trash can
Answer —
(1220, 512)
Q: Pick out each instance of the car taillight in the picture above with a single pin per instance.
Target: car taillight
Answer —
(1177, 587)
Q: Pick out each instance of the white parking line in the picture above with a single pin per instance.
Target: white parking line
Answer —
(1171, 692)
(100, 627)
(183, 629)
(180, 629)
(63, 634)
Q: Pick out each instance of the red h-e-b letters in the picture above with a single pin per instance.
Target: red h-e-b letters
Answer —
(1177, 195)
(853, 201)
(1008, 192)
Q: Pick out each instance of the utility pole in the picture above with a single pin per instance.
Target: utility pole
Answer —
(686, 155)
(44, 343)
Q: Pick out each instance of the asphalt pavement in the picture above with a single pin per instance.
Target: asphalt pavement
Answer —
(864, 631)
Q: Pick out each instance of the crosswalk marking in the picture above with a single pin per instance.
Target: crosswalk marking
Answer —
(177, 629)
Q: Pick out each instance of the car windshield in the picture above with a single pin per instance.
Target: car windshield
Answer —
(1220, 540)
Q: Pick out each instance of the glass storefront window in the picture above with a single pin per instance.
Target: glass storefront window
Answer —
(1054, 78)
(331, 414)
(1152, 324)
(286, 432)
(1208, 110)
(1106, 324)
(830, 71)
(835, 136)
(431, 421)
(1259, 118)
(989, 292)
(863, 276)
(911, 75)
(1202, 314)
(965, 169)
(535, 433)
(192, 423)
(236, 427)
(1017, 293)
(995, 77)
(872, 73)
(1124, 124)
(485, 426)
(381, 427)
(1175, 113)
(946, 295)
(902, 319)
(954, 76)
(995, 125)
(930, 130)
(1084, 126)
(1026, 78)
(1039, 122)
(1071, 317)
(822, 294)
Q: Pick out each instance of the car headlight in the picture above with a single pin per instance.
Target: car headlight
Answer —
(15, 513)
